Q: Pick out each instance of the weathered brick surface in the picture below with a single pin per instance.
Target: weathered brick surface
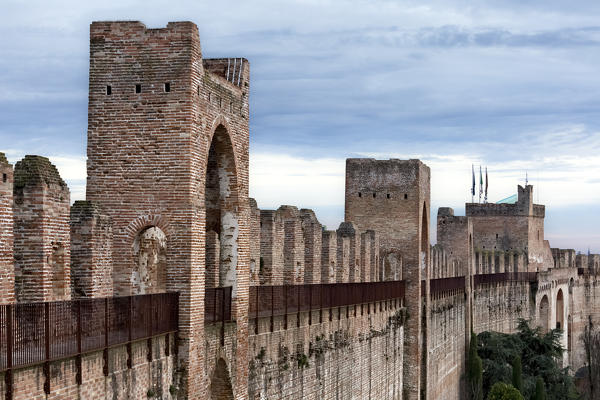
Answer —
(392, 198)
(348, 357)
(91, 251)
(172, 153)
(122, 383)
(7, 269)
(41, 231)
(168, 210)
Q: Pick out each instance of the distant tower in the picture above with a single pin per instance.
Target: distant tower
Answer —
(517, 227)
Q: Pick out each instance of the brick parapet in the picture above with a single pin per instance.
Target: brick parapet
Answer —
(41, 231)
(91, 251)
(7, 269)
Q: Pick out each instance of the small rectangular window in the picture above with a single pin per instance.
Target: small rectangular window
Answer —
(4, 178)
(108, 90)
(167, 87)
(138, 88)
(198, 90)
(231, 106)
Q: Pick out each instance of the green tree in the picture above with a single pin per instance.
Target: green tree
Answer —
(540, 390)
(541, 356)
(475, 370)
(517, 374)
(503, 391)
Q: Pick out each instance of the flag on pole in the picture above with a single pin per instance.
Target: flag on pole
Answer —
(486, 185)
(480, 183)
(473, 186)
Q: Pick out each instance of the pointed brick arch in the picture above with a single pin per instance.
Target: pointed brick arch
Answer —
(222, 210)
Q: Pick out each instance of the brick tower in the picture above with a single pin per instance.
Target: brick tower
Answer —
(168, 162)
(392, 198)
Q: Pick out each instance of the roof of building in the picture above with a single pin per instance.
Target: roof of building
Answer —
(509, 200)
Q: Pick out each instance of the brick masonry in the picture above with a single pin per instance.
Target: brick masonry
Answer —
(167, 209)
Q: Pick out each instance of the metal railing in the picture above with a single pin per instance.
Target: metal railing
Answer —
(270, 301)
(37, 333)
(482, 279)
(217, 304)
(442, 285)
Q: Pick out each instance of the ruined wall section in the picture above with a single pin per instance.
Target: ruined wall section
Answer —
(392, 197)
(91, 251)
(41, 231)
(350, 355)
(7, 266)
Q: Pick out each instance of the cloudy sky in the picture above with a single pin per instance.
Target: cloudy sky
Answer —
(503, 84)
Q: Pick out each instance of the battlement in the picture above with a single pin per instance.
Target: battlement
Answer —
(523, 207)
(35, 170)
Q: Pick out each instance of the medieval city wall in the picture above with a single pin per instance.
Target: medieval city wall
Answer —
(143, 380)
(355, 352)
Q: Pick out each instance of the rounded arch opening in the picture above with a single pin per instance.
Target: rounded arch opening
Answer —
(220, 383)
(544, 314)
(560, 313)
(149, 274)
(221, 207)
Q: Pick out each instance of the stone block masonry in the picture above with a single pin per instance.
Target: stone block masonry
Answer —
(91, 251)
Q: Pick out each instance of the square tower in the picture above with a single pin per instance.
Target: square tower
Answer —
(168, 162)
(392, 197)
(517, 227)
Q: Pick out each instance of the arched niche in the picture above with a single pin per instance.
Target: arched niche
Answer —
(221, 205)
(392, 266)
(57, 270)
(560, 312)
(424, 243)
(544, 314)
(220, 383)
(149, 274)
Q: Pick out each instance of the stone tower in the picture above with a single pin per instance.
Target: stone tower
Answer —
(168, 161)
(41, 231)
(517, 227)
(392, 197)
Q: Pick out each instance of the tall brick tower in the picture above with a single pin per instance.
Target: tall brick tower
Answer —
(392, 198)
(168, 161)
(7, 266)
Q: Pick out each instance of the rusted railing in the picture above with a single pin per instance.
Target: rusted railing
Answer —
(270, 301)
(217, 304)
(481, 279)
(37, 333)
(441, 285)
